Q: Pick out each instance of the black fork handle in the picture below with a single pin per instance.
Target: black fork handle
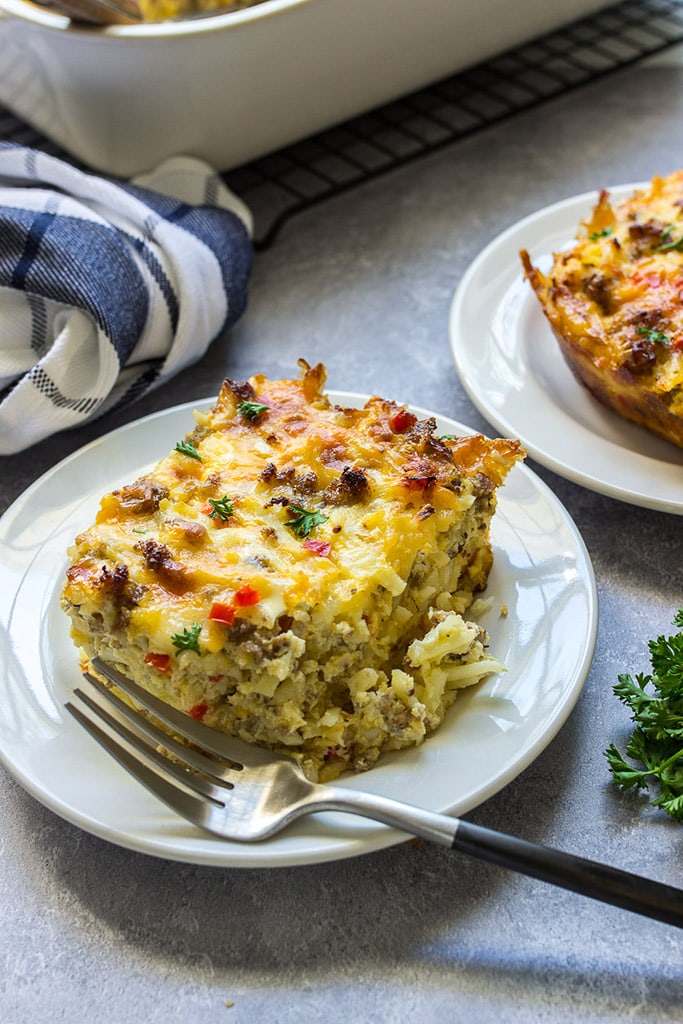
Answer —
(590, 878)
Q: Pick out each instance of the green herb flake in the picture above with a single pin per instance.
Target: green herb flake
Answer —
(221, 508)
(304, 521)
(188, 448)
(655, 336)
(656, 742)
(251, 410)
(188, 640)
(667, 242)
(605, 233)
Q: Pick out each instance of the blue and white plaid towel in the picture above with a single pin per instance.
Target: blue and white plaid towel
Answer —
(108, 289)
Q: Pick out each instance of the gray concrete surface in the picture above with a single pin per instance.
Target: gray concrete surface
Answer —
(93, 932)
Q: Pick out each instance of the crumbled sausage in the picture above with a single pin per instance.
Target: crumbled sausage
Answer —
(649, 319)
(117, 583)
(295, 483)
(441, 449)
(641, 355)
(193, 532)
(350, 486)
(159, 560)
(426, 511)
(241, 389)
(482, 484)
(647, 235)
(142, 496)
(114, 582)
(598, 288)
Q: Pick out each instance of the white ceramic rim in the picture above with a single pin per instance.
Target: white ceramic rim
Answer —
(150, 30)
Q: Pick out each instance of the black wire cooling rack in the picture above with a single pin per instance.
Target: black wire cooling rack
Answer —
(278, 186)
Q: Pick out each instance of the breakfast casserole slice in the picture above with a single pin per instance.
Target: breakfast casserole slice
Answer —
(295, 573)
(615, 303)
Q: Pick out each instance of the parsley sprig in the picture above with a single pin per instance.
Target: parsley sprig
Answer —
(667, 242)
(221, 508)
(656, 743)
(188, 448)
(655, 336)
(303, 521)
(251, 410)
(188, 640)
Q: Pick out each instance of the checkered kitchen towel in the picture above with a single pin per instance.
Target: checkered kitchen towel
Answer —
(108, 289)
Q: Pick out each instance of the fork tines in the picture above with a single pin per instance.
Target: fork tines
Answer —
(146, 736)
(230, 749)
(145, 762)
(163, 754)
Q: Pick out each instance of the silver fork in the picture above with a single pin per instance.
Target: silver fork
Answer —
(243, 793)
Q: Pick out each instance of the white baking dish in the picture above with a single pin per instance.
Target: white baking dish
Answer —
(235, 86)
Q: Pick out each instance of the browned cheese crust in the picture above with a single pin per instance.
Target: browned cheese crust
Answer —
(614, 301)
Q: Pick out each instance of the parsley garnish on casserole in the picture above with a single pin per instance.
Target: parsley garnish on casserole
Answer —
(301, 584)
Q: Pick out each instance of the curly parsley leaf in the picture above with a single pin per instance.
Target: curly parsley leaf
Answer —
(251, 410)
(303, 521)
(221, 508)
(656, 742)
(657, 337)
(188, 640)
(623, 773)
(667, 240)
(188, 448)
(666, 655)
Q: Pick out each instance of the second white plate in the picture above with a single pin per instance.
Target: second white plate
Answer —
(512, 368)
(542, 574)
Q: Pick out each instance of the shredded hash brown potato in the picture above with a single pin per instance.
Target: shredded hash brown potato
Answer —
(295, 573)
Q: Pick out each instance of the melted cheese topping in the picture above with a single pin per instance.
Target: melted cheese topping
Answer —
(327, 506)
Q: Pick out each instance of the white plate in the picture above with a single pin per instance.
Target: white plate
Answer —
(542, 572)
(511, 366)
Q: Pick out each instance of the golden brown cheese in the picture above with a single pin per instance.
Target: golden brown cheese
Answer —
(159, 10)
(294, 571)
(615, 303)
